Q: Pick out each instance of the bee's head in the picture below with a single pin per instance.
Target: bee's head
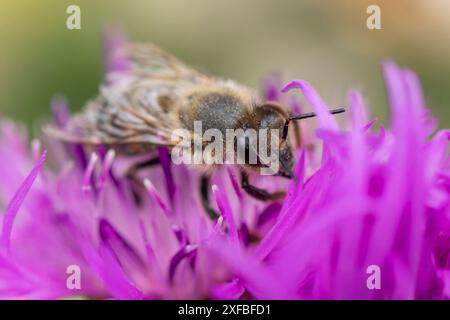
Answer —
(271, 115)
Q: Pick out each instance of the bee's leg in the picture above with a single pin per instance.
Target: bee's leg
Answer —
(204, 191)
(136, 183)
(258, 193)
(142, 165)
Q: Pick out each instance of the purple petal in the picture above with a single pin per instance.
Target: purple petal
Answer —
(88, 173)
(179, 233)
(164, 157)
(270, 213)
(16, 202)
(271, 88)
(326, 120)
(256, 278)
(114, 277)
(115, 53)
(155, 195)
(225, 210)
(188, 251)
(228, 291)
(60, 110)
(234, 183)
(118, 245)
(106, 168)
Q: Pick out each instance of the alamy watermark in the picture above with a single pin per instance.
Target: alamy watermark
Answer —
(374, 279)
(73, 281)
(239, 146)
(73, 21)
(373, 21)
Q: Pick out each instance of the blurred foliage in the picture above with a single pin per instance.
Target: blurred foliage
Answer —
(325, 42)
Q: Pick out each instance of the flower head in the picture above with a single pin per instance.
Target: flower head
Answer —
(374, 198)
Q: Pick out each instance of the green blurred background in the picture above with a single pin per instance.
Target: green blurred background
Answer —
(323, 41)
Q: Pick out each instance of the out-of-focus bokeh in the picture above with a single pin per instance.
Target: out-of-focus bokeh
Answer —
(326, 42)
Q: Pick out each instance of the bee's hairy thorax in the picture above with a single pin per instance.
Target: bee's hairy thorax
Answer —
(218, 108)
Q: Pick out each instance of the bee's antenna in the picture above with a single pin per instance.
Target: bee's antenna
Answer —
(304, 116)
(313, 114)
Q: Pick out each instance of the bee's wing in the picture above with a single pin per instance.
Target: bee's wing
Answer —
(116, 123)
(151, 62)
(138, 107)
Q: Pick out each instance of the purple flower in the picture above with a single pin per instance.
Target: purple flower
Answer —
(377, 199)
(368, 198)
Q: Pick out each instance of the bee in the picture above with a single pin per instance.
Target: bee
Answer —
(138, 111)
